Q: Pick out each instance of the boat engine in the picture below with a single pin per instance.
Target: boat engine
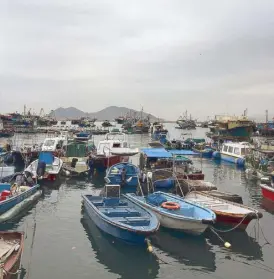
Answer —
(41, 169)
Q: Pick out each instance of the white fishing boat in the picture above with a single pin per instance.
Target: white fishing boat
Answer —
(55, 143)
(175, 213)
(228, 213)
(47, 166)
(112, 150)
(233, 152)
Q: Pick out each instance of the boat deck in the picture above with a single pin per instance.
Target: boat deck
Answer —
(122, 213)
(218, 204)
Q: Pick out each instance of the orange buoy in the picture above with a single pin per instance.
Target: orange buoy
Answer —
(171, 205)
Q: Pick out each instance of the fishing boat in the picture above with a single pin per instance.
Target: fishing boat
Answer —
(11, 249)
(11, 195)
(112, 150)
(228, 213)
(234, 128)
(203, 150)
(47, 166)
(188, 185)
(76, 154)
(54, 144)
(224, 195)
(82, 136)
(119, 216)
(106, 124)
(233, 152)
(267, 187)
(175, 213)
(260, 161)
(131, 179)
(120, 119)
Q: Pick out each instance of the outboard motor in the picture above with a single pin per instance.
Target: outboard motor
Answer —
(41, 168)
(74, 162)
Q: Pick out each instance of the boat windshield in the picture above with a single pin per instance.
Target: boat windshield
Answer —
(49, 142)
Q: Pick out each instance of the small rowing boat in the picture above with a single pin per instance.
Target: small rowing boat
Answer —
(11, 248)
(228, 213)
(175, 213)
(119, 216)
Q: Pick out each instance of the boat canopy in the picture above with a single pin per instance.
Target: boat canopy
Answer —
(162, 153)
(156, 153)
(47, 157)
(182, 152)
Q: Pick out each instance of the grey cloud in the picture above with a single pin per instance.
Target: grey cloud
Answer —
(161, 54)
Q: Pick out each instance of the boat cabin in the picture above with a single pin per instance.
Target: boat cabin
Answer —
(238, 150)
(112, 141)
(53, 144)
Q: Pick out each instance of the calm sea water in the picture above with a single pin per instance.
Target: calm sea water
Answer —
(61, 241)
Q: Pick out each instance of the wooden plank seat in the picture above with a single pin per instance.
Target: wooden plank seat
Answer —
(133, 221)
(101, 203)
(120, 212)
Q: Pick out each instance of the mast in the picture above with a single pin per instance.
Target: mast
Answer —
(266, 116)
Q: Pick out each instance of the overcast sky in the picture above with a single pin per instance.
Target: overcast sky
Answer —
(206, 56)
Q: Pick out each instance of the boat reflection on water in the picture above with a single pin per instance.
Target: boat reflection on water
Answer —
(97, 181)
(120, 258)
(242, 244)
(193, 251)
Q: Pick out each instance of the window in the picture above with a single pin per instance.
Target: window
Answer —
(49, 143)
(225, 148)
(230, 149)
(237, 150)
(116, 145)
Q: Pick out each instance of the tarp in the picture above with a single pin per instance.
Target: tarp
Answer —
(156, 153)
(182, 152)
(46, 157)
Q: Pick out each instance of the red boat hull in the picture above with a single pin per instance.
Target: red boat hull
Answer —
(267, 192)
(232, 221)
(101, 163)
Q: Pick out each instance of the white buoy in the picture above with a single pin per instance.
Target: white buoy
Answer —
(67, 173)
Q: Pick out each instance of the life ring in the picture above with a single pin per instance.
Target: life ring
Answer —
(171, 205)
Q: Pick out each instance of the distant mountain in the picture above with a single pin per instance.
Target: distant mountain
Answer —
(64, 113)
(109, 113)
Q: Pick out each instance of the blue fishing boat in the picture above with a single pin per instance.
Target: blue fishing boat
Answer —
(175, 213)
(9, 199)
(205, 152)
(129, 181)
(82, 136)
(119, 216)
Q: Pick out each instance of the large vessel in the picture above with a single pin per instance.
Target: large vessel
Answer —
(226, 127)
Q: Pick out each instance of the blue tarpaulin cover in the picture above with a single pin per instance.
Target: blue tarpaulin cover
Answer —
(183, 152)
(46, 157)
(156, 199)
(156, 153)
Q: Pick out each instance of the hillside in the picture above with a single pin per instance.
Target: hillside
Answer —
(109, 113)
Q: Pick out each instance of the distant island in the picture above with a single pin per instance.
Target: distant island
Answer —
(108, 113)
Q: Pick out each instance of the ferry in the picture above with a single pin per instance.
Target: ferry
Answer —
(233, 152)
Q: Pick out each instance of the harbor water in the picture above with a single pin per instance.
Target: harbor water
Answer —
(62, 242)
